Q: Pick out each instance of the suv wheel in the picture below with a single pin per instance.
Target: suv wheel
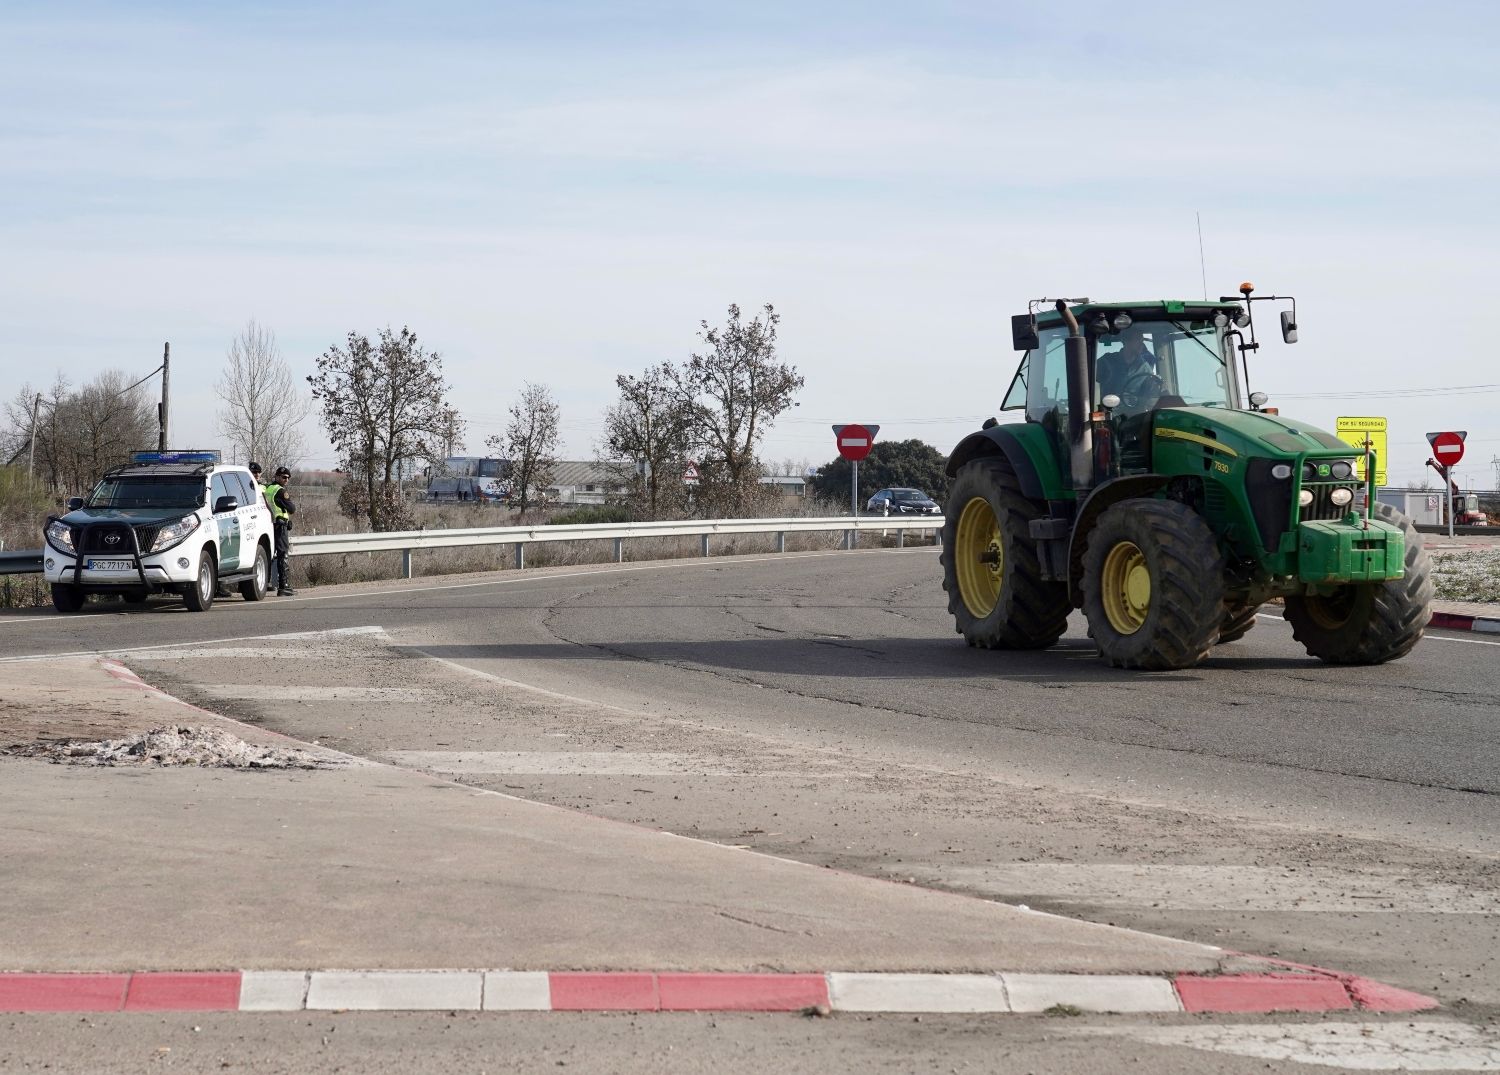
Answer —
(200, 596)
(66, 598)
(254, 588)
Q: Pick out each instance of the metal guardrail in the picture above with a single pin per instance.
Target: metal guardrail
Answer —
(22, 562)
(408, 542)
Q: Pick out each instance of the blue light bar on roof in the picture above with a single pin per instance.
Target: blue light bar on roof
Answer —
(205, 455)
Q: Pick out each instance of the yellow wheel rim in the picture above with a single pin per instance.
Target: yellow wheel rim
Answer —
(1126, 588)
(979, 557)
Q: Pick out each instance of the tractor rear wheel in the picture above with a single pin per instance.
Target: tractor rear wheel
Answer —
(1374, 622)
(1153, 585)
(1237, 621)
(996, 592)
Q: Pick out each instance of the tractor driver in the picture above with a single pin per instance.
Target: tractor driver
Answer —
(1130, 372)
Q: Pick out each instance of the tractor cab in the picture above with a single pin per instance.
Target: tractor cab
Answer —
(1141, 357)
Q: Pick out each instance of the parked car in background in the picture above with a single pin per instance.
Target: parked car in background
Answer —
(903, 502)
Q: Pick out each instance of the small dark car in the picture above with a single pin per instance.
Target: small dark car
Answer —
(903, 502)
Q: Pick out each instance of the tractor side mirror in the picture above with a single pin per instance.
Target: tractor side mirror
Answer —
(1023, 332)
(1288, 326)
(74, 503)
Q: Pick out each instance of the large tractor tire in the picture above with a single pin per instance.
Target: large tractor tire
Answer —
(1153, 585)
(1237, 621)
(1373, 622)
(996, 592)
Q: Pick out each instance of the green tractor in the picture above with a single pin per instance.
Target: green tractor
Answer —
(1143, 488)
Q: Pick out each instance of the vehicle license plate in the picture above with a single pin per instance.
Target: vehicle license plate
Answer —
(110, 565)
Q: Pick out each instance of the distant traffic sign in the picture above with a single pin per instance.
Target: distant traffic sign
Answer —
(855, 441)
(690, 472)
(1447, 448)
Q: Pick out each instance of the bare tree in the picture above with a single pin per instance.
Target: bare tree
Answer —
(530, 440)
(78, 435)
(650, 428)
(734, 391)
(384, 408)
(263, 405)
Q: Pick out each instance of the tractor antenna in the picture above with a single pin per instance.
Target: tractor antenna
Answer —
(1202, 266)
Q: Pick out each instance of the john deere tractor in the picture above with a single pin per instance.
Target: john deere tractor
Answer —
(1146, 488)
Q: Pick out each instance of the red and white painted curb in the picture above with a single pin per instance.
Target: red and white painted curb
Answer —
(576, 991)
(1452, 621)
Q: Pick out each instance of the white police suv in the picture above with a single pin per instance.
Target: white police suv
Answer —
(168, 522)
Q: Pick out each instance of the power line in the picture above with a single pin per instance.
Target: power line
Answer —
(1446, 390)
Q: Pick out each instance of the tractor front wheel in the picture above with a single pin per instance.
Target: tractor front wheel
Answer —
(1153, 585)
(996, 592)
(1373, 622)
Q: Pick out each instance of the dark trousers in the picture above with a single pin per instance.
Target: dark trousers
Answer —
(283, 535)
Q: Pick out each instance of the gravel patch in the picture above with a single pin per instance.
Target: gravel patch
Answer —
(168, 746)
(1473, 576)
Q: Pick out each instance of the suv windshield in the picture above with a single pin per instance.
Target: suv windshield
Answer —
(908, 494)
(147, 493)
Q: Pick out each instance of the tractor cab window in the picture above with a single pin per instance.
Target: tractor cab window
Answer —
(1041, 384)
(1165, 363)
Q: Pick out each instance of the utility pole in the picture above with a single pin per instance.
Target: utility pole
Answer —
(166, 383)
(31, 452)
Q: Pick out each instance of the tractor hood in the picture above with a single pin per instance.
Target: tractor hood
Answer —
(1250, 433)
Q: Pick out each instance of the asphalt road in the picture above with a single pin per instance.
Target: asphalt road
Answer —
(820, 707)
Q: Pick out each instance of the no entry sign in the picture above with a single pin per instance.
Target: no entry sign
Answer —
(1447, 448)
(855, 441)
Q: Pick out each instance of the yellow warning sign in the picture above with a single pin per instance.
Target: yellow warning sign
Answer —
(1356, 431)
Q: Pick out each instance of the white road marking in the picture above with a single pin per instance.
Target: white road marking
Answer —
(294, 693)
(1436, 1045)
(1220, 888)
(1425, 638)
(290, 636)
(592, 763)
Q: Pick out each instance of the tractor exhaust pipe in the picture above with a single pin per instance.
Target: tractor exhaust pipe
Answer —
(1080, 396)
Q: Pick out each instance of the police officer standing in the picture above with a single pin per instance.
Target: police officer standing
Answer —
(282, 510)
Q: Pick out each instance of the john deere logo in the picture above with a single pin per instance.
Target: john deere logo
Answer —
(111, 539)
(1323, 470)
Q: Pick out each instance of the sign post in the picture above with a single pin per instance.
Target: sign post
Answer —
(854, 442)
(1448, 449)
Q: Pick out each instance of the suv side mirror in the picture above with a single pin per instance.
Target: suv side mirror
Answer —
(1288, 326)
(74, 503)
(226, 503)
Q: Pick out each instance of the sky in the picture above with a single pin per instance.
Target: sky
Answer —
(561, 192)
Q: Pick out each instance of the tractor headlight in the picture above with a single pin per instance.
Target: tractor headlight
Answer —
(1305, 498)
(60, 536)
(1342, 470)
(1281, 471)
(174, 533)
(1121, 321)
(1341, 496)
